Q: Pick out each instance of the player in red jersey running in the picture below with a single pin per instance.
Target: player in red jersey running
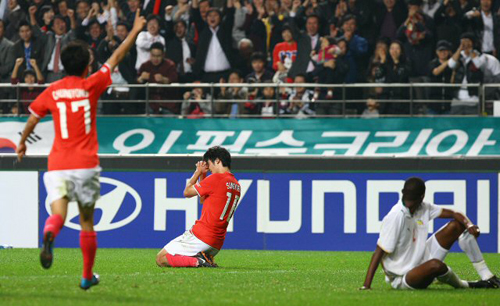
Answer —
(219, 193)
(73, 168)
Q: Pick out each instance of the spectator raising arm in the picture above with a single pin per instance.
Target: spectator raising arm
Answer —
(15, 72)
(452, 62)
(72, 19)
(38, 72)
(125, 46)
(32, 11)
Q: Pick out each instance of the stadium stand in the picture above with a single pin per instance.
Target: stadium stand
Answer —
(377, 57)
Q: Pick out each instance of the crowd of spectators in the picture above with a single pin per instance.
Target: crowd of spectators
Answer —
(263, 41)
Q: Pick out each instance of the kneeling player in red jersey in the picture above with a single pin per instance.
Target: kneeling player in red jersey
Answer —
(219, 195)
(73, 162)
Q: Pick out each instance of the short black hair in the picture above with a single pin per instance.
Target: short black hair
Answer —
(413, 189)
(24, 23)
(75, 57)
(220, 153)
(258, 56)
(236, 71)
(416, 2)
(469, 35)
(59, 16)
(157, 46)
(78, 2)
(314, 16)
(181, 21)
(153, 17)
(287, 27)
(348, 17)
(27, 72)
(302, 75)
(125, 24)
(331, 40)
(214, 9)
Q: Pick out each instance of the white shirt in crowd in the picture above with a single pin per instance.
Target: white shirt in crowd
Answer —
(118, 79)
(216, 58)
(314, 41)
(143, 44)
(50, 66)
(487, 41)
(403, 237)
(186, 53)
(463, 97)
(488, 64)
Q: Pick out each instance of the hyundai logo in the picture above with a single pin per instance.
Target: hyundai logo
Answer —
(110, 204)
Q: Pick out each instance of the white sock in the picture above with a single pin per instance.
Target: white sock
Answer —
(482, 270)
(468, 244)
(452, 279)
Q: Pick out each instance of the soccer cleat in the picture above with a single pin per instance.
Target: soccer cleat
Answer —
(46, 255)
(85, 284)
(204, 260)
(495, 282)
(480, 285)
(209, 258)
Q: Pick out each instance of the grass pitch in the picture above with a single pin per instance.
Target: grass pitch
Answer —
(130, 276)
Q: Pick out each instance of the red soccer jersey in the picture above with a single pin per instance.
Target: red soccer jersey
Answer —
(282, 51)
(222, 193)
(73, 104)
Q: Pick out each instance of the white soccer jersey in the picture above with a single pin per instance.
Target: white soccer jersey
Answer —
(403, 237)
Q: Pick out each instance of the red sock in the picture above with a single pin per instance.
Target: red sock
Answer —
(53, 224)
(88, 244)
(180, 261)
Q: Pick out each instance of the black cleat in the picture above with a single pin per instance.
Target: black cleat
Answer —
(210, 259)
(495, 282)
(205, 260)
(46, 255)
(482, 284)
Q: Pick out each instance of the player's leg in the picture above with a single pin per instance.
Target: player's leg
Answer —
(88, 245)
(440, 243)
(53, 226)
(183, 252)
(423, 275)
(161, 259)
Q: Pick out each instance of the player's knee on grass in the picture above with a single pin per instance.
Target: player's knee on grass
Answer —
(161, 259)
(437, 267)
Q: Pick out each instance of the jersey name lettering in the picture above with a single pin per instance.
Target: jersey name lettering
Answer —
(69, 94)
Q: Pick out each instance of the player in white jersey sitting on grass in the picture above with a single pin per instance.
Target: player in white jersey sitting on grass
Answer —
(410, 260)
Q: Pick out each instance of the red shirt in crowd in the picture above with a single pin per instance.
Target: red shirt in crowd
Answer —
(282, 51)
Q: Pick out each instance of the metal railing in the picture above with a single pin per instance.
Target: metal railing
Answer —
(350, 94)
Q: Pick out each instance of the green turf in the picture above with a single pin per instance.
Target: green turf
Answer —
(130, 276)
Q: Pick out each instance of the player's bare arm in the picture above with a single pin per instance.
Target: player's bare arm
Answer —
(200, 179)
(126, 45)
(462, 219)
(201, 171)
(28, 129)
(374, 263)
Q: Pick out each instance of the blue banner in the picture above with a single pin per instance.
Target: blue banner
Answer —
(277, 211)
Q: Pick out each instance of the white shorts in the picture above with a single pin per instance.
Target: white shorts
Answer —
(80, 185)
(188, 245)
(398, 282)
(433, 250)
